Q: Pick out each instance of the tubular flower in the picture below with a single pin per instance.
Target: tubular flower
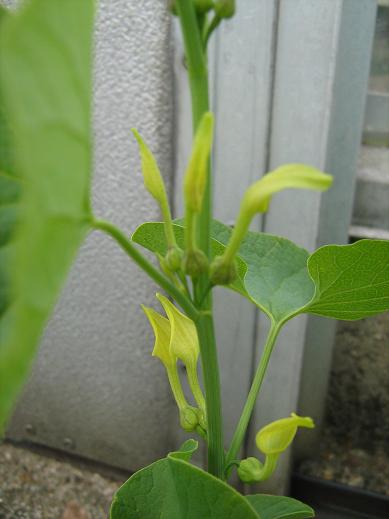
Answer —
(276, 437)
(257, 199)
(272, 440)
(176, 338)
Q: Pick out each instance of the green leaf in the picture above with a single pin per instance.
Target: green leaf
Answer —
(352, 281)
(171, 488)
(46, 68)
(186, 451)
(152, 237)
(340, 281)
(278, 507)
(277, 278)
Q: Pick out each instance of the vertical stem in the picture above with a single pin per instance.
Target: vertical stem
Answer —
(198, 80)
(243, 423)
(210, 367)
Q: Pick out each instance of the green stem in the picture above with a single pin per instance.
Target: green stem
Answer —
(175, 384)
(269, 466)
(189, 231)
(205, 331)
(144, 264)
(195, 386)
(198, 80)
(244, 420)
(239, 232)
(210, 28)
(168, 225)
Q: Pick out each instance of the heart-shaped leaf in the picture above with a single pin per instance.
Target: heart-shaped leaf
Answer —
(151, 236)
(278, 507)
(277, 278)
(340, 281)
(45, 83)
(171, 488)
(352, 281)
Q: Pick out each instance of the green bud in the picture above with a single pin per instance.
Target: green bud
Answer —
(222, 272)
(203, 6)
(195, 179)
(151, 175)
(194, 263)
(250, 470)
(189, 418)
(173, 259)
(225, 8)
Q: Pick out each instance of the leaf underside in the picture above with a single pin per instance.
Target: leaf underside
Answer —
(46, 89)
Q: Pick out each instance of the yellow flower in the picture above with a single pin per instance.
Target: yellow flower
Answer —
(276, 437)
(184, 344)
(176, 338)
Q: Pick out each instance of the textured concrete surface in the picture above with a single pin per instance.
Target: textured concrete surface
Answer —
(94, 389)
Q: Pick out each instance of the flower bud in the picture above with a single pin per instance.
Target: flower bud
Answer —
(194, 263)
(189, 418)
(151, 174)
(225, 8)
(155, 185)
(173, 259)
(276, 437)
(221, 272)
(195, 179)
(250, 470)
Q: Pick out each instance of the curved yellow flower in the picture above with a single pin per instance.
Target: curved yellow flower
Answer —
(176, 338)
(276, 437)
(272, 440)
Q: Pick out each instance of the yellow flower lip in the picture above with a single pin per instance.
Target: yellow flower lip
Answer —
(183, 344)
(276, 437)
(162, 331)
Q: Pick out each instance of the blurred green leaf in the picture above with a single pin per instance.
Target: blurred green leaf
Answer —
(45, 81)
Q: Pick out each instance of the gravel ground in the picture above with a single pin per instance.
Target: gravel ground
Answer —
(354, 447)
(37, 486)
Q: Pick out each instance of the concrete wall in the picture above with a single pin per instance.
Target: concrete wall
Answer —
(95, 390)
